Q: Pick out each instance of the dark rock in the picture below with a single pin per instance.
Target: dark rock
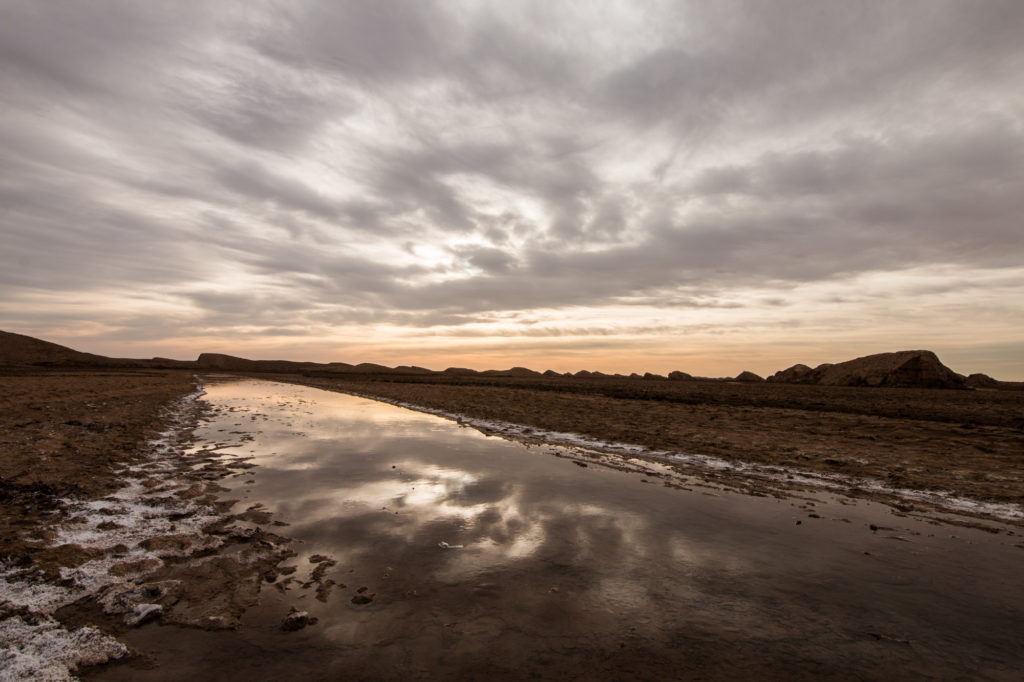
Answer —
(909, 368)
(981, 381)
(296, 620)
(797, 374)
(361, 597)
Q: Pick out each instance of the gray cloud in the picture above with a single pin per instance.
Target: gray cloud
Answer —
(389, 40)
(276, 161)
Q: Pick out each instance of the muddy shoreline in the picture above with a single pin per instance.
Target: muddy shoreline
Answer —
(875, 443)
(124, 524)
(111, 516)
(462, 555)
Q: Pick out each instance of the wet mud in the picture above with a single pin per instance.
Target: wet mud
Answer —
(426, 549)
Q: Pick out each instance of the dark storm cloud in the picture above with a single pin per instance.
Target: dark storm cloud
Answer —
(550, 154)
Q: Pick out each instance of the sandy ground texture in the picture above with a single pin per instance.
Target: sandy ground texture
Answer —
(967, 445)
(108, 518)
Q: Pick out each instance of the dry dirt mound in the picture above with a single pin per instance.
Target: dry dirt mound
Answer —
(797, 374)
(17, 349)
(908, 368)
(513, 372)
(981, 381)
(230, 363)
(221, 361)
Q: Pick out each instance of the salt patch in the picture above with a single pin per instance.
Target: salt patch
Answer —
(44, 650)
(34, 646)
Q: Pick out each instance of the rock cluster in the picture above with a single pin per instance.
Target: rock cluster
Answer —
(909, 368)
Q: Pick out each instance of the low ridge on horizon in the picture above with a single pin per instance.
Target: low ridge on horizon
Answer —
(907, 368)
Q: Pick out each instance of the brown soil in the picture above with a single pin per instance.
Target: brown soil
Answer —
(966, 442)
(64, 433)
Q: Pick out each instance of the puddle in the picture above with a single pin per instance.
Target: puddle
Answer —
(429, 550)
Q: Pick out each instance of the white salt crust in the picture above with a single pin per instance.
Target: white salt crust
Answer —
(33, 646)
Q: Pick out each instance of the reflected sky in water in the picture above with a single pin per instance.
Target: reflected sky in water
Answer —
(556, 570)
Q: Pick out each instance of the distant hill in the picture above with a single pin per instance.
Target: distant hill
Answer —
(908, 368)
(21, 350)
(17, 349)
(984, 381)
(513, 372)
(461, 372)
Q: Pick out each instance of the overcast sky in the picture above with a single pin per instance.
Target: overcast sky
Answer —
(622, 186)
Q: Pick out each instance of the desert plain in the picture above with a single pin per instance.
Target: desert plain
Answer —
(77, 433)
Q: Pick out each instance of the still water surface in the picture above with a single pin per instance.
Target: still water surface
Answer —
(553, 570)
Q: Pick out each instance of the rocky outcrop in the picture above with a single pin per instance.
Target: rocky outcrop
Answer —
(371, 368)
(981, 381)
(230, 363)
(513, 372)
(797, 374)
(461, 372)
(909, 368)
(411, 369)
(225, 362)
(984, 381)
(680, 376)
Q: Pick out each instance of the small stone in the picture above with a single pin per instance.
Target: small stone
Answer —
(296, 620)
(141, 613)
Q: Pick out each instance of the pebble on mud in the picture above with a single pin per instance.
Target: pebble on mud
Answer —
(296, 620)
(361, 596)
(141, 613)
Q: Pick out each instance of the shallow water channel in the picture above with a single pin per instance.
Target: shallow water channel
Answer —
(487, 558)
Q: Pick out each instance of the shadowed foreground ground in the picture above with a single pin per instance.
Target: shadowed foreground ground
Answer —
(63, 433)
